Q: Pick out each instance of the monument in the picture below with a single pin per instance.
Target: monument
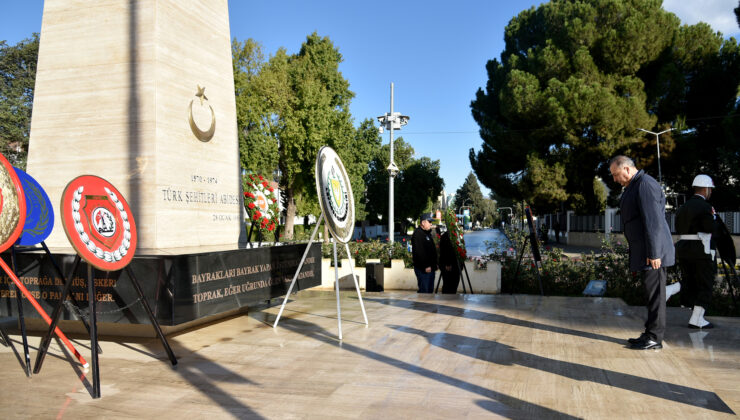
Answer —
(141, 93)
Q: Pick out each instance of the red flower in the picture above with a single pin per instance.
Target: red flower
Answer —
(258, 214)
(251, 206)
(272, 189)
(271, 227)
(274, 200)
(255, 217)
(264, 184)
(249, 194)
(260, 177)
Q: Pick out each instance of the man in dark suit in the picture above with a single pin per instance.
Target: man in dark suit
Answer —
(449, 264)
(694, 224)
(424, 254)
(650, 244)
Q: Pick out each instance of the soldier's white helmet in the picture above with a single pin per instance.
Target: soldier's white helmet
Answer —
(703, 181)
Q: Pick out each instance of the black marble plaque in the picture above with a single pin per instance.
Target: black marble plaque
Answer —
(179, 288)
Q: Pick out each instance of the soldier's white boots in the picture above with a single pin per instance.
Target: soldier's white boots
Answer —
(671, 290)
(697, 319)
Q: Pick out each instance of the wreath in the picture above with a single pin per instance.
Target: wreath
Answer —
(456, 234)
(260, 202)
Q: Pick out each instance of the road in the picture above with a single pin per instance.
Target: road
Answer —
(475, 241)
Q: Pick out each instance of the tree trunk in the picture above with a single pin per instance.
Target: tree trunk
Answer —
(289, 214)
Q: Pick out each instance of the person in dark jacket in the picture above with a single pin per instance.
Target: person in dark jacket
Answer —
(650, 244)
(424, 254)
(448, 264)
(694, 225)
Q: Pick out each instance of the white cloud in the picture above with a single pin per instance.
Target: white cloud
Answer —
(719, 14)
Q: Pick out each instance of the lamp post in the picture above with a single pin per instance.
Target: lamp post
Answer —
(657, 143)
(391, 121)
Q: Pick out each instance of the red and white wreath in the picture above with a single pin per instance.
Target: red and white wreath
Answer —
(260, 200)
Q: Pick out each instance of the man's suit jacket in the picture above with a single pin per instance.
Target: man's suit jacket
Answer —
(645, 226)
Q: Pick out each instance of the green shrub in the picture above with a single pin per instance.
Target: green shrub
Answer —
(364, 250)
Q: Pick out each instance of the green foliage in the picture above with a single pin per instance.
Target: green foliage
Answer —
(564, 276)
(576, 81)
(18, 73)
(482, 209)
(416, 186)
(362, 251)
(287, 108)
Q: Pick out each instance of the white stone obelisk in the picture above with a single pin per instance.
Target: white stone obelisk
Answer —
(141, 93)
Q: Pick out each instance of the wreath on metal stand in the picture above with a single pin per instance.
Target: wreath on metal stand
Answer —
(458, 244)
(260, 202)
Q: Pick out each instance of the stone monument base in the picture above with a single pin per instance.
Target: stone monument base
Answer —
(183, 289)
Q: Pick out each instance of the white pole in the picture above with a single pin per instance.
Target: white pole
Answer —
(390, 181)
(336, 287)
(292, 283)
(357, 285)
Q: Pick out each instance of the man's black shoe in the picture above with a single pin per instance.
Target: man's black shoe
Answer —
(642, 337)
(647, 344)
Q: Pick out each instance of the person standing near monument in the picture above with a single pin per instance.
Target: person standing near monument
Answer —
(424, 254)
(448, 264)
(694, 224)
(651, 251)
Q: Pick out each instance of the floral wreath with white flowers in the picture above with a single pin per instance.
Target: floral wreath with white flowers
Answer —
(260, 202)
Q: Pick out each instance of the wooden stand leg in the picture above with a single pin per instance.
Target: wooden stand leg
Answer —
(44, 346)
(41, 311)
(93, 331)
(71, 275)
(149, 312)
(21, 319)
(298, 270)
(357, 285)
(439, 281)
(336, 287)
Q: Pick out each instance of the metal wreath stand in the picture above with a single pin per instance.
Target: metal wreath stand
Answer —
(332, 183)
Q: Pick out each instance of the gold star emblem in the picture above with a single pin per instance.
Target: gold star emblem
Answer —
(201, 94)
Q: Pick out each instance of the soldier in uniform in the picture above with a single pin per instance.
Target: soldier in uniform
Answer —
(694, 223)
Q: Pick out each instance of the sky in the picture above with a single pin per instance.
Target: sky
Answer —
(433, 51)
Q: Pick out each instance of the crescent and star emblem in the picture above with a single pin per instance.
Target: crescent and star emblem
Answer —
(202, 135)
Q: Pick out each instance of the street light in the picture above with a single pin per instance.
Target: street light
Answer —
(391, 121)
(657, 143)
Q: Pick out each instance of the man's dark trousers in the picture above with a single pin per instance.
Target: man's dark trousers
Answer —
(424, 280)
(655, 291)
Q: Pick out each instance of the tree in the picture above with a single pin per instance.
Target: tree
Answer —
(376, 179)
(565, 96)
(417, 184)
(289, 107)
(261, 94)
(469, 194)
(694, 87)
(364, 146)
(737, 13)
(18, 72)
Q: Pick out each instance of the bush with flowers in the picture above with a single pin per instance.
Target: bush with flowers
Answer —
(364, 250)
(260, 201)
(564, 276)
